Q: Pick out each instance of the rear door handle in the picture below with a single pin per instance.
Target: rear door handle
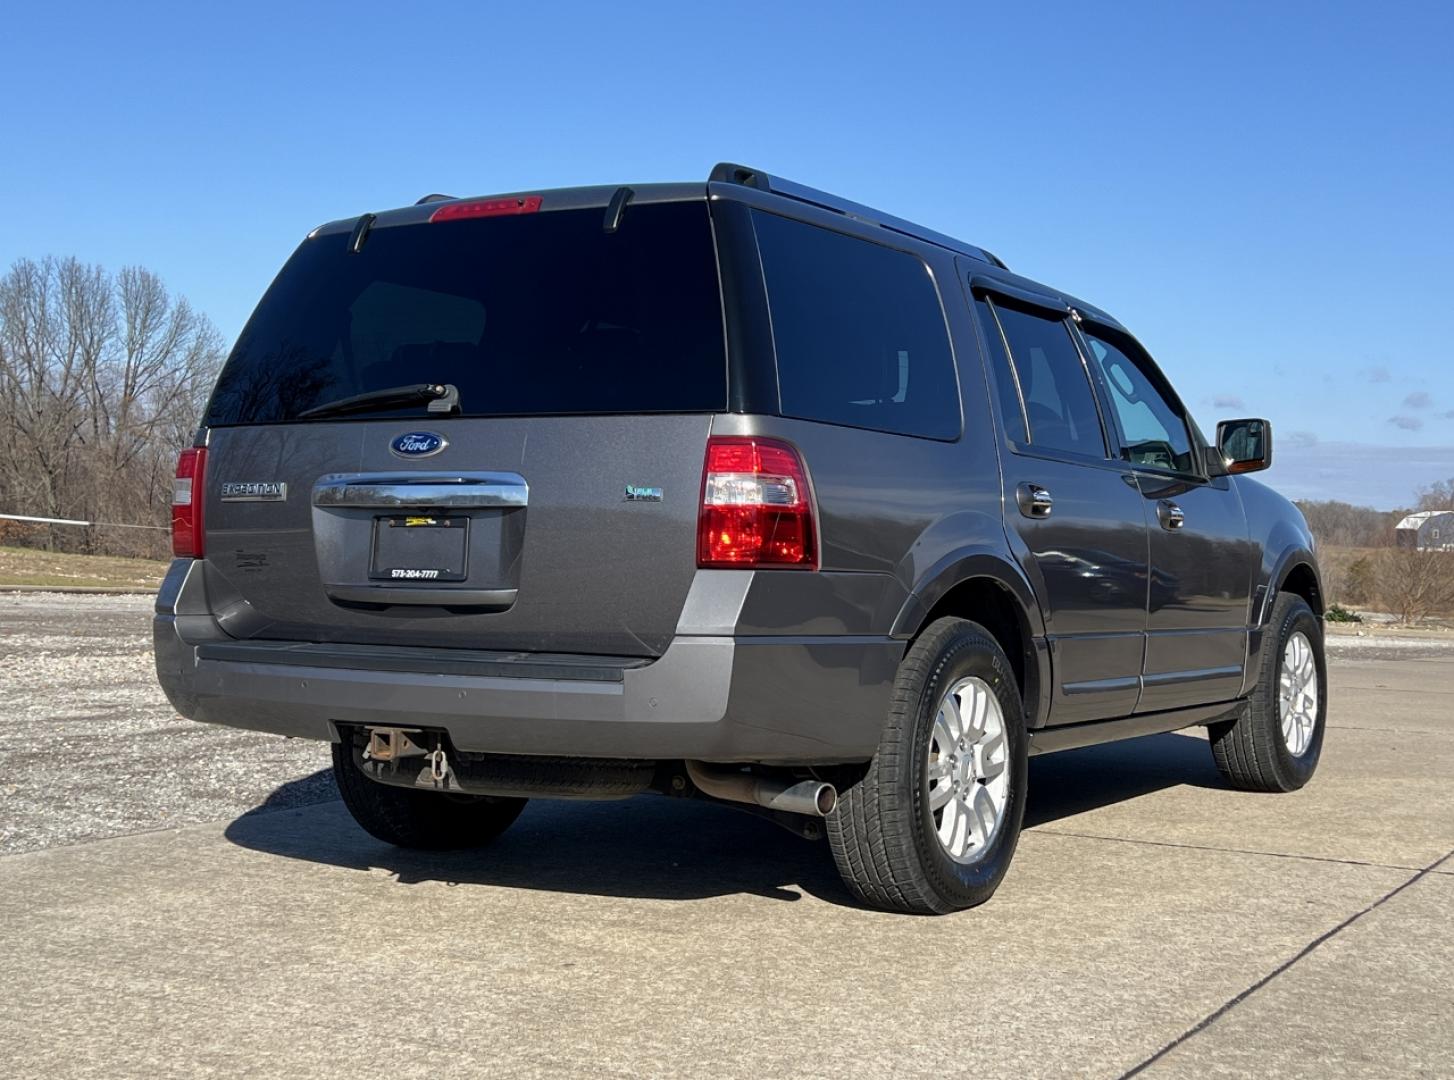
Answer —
(1034, 500)
(1170, 515)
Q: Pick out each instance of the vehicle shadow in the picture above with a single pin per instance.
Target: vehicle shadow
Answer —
(1077, 781)
(648, 847)
(651, 847)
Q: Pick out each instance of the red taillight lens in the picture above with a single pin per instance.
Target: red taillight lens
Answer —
(526, 204)
(757, 510)
(187, 489)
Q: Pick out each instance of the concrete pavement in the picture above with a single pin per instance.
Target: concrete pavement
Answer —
(1153, 920)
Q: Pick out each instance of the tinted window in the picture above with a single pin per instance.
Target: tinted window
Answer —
(859, 333)
(1059, 403)
(532, 314)
(1151, 431)
(1004, 380)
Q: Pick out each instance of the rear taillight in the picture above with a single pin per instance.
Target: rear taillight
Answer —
(476, 208)
(757, 510)
(187, 490)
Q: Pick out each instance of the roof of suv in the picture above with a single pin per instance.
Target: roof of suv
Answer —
(725, 173)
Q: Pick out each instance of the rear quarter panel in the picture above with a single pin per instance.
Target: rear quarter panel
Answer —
(893, 510)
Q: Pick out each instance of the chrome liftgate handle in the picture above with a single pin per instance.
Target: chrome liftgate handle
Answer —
(424, 491)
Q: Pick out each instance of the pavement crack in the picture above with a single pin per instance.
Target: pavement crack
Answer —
(1231, 1003)
(1226, 850)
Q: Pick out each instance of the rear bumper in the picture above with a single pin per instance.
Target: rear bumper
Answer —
(713, 698)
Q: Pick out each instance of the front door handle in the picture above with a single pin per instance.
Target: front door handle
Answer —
(1034, 501)
(1170, 515)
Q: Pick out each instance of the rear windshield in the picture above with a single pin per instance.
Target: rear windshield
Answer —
(534, 314)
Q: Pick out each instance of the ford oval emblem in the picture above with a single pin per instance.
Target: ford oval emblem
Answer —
(416, 444)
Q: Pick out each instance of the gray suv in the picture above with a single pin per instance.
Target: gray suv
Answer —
(733, 491)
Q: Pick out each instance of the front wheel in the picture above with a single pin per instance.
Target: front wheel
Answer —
(932, 825)
(431, 820)
(1274, 745)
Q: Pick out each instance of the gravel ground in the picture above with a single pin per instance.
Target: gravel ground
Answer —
(90, 748)
(1387, 646)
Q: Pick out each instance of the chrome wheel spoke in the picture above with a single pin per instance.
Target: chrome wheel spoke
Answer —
(974, 728)
(992, 756)
(939, 768)
(952, 826)
(939, 797)
(942, 740)
(982, 815)
(949, 716)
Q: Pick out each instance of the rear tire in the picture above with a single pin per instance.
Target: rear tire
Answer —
(1274, 745)
(428, 820)
(886, 830)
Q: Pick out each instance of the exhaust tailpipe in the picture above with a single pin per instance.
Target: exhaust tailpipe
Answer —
(811, 797)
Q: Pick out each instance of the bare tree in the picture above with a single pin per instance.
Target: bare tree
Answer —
(1414, 584)
(1437, 496)
(1345, 525)
(102, 380)
(42, 372)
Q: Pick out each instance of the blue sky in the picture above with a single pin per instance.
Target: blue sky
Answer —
(1261, 192)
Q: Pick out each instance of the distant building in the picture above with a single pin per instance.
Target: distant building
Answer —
(1428, 530)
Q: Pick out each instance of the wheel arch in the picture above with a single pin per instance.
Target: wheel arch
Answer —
(1296, 571)
(1301, 577)
(989, 590)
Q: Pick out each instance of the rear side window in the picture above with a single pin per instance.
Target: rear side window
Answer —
(1059, 403)
(859, 332)
(527, 315)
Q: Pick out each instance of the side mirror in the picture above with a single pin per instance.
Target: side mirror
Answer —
(1245, 445)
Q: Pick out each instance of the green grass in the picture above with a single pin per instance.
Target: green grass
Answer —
(27, 566)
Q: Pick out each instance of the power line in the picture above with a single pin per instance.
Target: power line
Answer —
(72, 521)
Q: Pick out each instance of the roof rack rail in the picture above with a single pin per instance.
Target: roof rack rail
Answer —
(728, 173)
(436, 197)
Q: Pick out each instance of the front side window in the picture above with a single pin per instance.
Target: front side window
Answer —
(1060, 406)
(1152, 432)
(858, 330)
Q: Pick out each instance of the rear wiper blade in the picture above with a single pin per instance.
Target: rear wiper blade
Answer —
(442, 398)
